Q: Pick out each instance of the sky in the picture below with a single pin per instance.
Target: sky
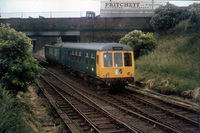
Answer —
(62, 5)
(48, 5)
(19, 8)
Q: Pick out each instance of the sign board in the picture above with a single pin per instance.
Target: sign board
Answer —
(130, 5)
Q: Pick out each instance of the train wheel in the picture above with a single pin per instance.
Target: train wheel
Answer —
(112, 88)
(122, 86)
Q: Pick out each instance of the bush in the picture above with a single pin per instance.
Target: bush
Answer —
(166, 17)
(18, 69)
(140, 42)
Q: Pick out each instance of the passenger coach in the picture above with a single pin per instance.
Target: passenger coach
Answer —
(104, 64)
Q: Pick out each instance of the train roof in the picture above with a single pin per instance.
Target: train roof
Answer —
(94, 46)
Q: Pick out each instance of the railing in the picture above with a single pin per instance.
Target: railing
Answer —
(69, 14)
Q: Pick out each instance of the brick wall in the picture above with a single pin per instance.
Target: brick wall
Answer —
(91, 29)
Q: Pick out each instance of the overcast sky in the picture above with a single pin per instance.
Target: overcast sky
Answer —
(61, 5)
(47, 5)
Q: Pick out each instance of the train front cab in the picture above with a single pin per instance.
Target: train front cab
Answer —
(115, 68)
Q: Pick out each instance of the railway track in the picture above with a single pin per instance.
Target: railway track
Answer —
(156, 112)
(181, 119)
(151, 126)
(148, 111)
(82, 110)
(181, 111)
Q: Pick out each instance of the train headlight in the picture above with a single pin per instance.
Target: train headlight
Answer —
(128, 73)
(108, 73)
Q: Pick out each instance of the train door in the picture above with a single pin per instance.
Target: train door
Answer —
(97, 64)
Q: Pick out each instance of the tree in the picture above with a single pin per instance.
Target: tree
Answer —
(18, 69)
(140, 42)
(166, 17)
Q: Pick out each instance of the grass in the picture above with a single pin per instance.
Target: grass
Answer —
(175, 61)
(11, 114)
(78, 127)
(16, 114)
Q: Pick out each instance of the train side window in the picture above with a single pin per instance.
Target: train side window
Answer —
(51, 51)
(79, 59)
(87, 58)
(127, 59)
(118, 59)
(92, 59)
(64, 55)
(47, 50)
(72, 56)
(107, 59)
(56, 53)
(69, 55)
(76, 56)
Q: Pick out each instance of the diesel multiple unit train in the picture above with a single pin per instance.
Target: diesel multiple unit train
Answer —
(109, 65)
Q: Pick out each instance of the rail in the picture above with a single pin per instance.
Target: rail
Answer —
(113, 118)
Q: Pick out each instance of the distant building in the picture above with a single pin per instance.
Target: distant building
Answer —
(129, 8)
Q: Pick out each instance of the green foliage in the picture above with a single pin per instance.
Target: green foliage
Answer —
(140, 42)
(194, 19)
(78, 127)
(18, 69)
(11, 114)
(58, 39)
(167, 17)
(175, 60)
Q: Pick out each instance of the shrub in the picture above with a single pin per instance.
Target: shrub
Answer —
(140, 42)
(166, 17)
(18, 69)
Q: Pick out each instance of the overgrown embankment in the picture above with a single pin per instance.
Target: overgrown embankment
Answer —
(15, 116)
(173, 67)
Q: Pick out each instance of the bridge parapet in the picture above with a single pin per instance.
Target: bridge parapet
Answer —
(45, 30)
(63, 24)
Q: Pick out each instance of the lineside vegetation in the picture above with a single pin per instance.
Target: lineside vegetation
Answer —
(18, 70)
(173, 66)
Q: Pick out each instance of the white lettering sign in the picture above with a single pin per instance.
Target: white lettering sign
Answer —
(130, 5)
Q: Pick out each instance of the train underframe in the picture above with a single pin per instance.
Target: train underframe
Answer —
(113, 84)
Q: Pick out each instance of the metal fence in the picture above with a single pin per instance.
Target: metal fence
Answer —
(69, 14)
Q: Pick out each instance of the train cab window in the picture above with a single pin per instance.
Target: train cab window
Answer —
(107, 59)
(127, 59)
(118, 60)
